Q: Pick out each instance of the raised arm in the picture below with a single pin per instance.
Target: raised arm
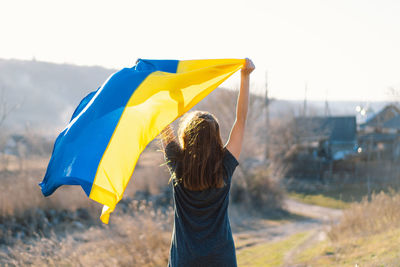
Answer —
(234, 144)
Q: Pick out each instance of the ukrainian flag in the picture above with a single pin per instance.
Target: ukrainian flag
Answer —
(109, 129)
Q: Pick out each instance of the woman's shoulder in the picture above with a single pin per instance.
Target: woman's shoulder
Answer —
(230, 158)
(229, 162)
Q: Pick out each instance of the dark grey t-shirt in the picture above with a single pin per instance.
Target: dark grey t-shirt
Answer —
(202, 234)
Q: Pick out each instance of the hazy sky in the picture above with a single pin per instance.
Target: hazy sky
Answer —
(344, 49)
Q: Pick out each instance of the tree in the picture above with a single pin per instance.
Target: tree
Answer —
(5, 107)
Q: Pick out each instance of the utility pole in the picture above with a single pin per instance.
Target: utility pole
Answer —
(327, 110)
(305, 100)
(267, 131)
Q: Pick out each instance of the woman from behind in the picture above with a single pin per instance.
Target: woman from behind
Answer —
(201, 170)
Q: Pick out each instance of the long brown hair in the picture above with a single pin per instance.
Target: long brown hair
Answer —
(201, 151)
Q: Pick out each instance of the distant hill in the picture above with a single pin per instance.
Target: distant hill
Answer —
(47, 94)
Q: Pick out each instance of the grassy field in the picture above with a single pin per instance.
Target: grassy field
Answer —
(54, 229)
(64, 229)
(381, 249)
(140, 237)
(333, 195)
(269, 254)
(368, 234)
(320, 200)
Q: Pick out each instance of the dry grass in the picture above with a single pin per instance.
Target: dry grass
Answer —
(368, 235)
(369, 217)
(20, 191)
(140, 237)
(64, 229)
(371, 251)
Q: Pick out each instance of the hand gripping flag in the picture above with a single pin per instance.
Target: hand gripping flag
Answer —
(109, 129)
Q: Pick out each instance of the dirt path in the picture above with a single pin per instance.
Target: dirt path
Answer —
(317, 212)
(307, 218)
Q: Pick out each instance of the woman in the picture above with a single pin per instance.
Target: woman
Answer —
(201, 170)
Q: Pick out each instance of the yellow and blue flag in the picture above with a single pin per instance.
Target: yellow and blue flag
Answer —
(111, 126)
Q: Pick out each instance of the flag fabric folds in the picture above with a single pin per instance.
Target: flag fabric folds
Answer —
(111, 126)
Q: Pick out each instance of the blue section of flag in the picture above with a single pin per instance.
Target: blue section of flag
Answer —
(83, 103)
(157, 65)
(80, 146)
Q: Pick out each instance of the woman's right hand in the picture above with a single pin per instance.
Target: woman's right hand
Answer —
(248, 67)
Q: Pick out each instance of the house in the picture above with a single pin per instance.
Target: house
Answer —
(377, 122)
(332, 138)
(392, 125)
(379, 137)
(379, 146)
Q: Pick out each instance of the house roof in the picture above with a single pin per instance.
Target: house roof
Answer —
(336, 129)
(393, 123)
(387, 113)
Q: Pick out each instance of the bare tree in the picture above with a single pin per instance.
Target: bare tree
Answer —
(5, 108)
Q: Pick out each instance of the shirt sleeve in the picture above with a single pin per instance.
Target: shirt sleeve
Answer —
(230, 163)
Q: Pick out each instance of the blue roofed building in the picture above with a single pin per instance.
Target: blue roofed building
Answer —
(333, 137)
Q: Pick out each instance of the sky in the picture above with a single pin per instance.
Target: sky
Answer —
(338, 49)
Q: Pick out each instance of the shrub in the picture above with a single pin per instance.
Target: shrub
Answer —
(138, 237)
(368, 217)
(258, 189)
